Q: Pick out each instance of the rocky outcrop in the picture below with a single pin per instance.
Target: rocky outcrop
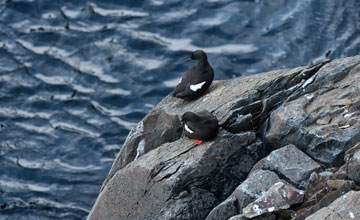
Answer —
(281, 132)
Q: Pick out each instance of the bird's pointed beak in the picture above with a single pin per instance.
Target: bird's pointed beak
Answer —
(188, 60)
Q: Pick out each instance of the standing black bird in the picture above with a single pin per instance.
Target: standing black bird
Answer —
(200, 126)
(197, 79)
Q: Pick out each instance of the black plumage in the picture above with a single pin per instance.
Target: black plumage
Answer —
(200, 126)
(197, 79)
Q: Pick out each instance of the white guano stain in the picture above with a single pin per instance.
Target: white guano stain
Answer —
(351, 215)
(140, 149)
(257, 209)
(307, 82)
(271, 209)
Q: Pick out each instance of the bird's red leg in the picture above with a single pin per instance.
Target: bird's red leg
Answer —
(196, 141)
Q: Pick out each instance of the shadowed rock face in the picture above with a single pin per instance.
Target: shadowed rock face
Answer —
(159, 174)
(354, 165)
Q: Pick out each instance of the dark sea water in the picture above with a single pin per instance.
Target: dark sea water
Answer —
(75, 76)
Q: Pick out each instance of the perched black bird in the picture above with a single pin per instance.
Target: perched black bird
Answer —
(200, 126)
(197, 79)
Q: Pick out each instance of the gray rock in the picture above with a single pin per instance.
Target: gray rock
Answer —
(279, 196)
(332, 92)
(256, 185)
(291, 164)
(238, 217)
(354, 167)
(317, 182)
(344, 208)
(172, 182)
(224, 210)
(157, 128)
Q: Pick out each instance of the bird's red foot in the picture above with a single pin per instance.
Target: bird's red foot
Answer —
(196, 141)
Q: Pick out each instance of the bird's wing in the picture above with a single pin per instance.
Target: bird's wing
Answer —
(186, 92)
(179, 88)
(184, 81)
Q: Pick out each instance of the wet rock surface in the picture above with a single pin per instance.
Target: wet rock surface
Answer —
(282, 132)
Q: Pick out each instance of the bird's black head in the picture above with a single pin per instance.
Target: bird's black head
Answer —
(198, 55)
(189, 116)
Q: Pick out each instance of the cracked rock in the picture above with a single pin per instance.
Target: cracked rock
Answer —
(323, 118)
(254, 186)
(257, 183)
(291, 164)
(279, 196)
(152, 187)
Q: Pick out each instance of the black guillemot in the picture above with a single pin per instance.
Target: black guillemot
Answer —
(200, 126)
(197, 79)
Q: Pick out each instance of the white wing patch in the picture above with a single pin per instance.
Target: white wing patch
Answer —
(197, 86)
(188, 129)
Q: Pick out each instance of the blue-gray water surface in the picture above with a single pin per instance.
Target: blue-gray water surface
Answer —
(76, 75)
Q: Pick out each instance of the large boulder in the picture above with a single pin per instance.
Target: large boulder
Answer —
(173, 182)
(226, 99)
